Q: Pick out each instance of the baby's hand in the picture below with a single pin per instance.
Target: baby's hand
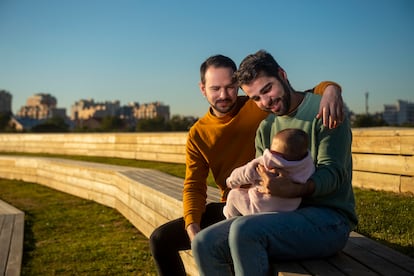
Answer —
(262, 190)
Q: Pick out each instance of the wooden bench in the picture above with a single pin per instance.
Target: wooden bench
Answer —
(361, 256)
(11, 239)
(149, 198)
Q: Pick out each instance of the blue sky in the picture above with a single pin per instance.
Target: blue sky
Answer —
(146, 51)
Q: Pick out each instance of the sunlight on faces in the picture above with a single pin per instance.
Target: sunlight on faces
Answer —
(220, 90)
(269, 95)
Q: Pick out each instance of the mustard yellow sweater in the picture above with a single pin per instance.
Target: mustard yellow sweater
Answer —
(220, 144)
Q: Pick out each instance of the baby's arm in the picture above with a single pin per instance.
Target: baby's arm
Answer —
(246, 174)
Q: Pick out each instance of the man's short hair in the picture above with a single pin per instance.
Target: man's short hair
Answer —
(217, 61)
(256, 65)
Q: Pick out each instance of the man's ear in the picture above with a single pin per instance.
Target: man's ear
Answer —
(282, 74)
(202, 88)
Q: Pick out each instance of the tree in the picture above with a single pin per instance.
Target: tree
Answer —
(150, 125)
(367, 120)
(111, 123)
(54, 124)
(179, 123)
(4, 120)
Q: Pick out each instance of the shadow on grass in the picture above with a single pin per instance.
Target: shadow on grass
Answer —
(29, 244)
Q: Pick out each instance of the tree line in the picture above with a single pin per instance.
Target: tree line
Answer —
(158, 124)
(106, 124)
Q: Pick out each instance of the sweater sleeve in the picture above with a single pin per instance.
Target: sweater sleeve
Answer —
(246, 174)
(320, 88)
(195, 184)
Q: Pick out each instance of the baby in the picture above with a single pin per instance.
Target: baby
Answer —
(289, 151)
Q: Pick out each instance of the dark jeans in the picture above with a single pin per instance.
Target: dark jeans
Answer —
(169, 238)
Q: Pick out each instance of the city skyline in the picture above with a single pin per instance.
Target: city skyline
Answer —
(151, 51)
(43, 105)
(166, 104)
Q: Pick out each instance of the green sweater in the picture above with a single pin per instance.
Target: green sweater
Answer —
(331, 152)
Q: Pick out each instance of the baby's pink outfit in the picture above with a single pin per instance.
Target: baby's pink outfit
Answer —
(242, 201)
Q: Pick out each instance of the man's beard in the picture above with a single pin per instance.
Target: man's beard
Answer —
(223, 110)
(285, 99)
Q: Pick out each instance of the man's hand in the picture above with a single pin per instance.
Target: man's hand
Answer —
(192, 230)
(331, 108)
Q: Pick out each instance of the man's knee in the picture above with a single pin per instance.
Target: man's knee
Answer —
(156, 239)
(202, 241)
(242, 228)
(162, 236)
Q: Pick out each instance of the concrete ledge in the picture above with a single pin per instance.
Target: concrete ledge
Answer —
(11, 239)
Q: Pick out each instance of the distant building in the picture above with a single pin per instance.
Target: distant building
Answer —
(400, 113)
(126, 112)
(41, 106)
(5, 102)
(23, 124)
(152, 110)
(86, 109)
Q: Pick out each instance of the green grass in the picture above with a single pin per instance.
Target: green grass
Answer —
(66, 235)
(387, 217)
(72, 236)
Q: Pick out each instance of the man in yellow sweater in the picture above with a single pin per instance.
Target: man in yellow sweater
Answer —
(220, 141)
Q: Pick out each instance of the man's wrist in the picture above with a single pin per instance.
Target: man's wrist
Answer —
(193, 227)
(334, 87)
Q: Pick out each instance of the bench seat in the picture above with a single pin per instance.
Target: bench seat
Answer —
(11, 239)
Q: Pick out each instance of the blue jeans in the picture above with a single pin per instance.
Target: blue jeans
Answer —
(249, 242)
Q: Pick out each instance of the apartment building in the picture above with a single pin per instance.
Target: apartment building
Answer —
(151, 111)
(5, 102)
(41, 106)
(400, 113)
(87, 109)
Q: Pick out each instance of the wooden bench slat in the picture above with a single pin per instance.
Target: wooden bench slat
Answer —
(5, 240)
(376, 263)
(16, 246)
(386, 164)
(11, 239)
(383, 251)
(6, 208)
(321, 267)
(350, 266)
(166, 183)
(289, 269)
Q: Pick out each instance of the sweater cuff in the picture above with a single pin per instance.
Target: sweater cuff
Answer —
(189, 219)
(320, 88)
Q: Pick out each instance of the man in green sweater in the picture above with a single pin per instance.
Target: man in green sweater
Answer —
(321, 226)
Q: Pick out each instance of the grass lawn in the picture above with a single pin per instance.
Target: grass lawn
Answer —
(68, 236)
(387, 217)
